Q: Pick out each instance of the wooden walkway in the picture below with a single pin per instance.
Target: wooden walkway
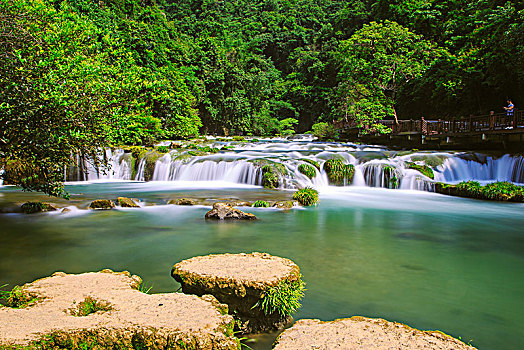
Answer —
(473, 125)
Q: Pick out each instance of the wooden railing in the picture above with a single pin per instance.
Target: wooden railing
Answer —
(473, 124)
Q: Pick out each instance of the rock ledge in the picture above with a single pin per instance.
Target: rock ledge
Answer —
(156, 321)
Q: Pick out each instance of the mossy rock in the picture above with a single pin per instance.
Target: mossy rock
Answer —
(149, 169)
(260, 290)
(307, 170)
(430, 160)
(222, 211)
(127, 202)
(37, 207)
(186, 201)
(272, 174)
(423, 169)
(338, 173)
(312, 162)
(102, 204)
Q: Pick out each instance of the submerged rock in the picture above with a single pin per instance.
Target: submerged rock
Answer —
(37, 207)
(363, 333)
(222, 211)
(258, 288)
(126, 318)
(127, 202)
(102, 204)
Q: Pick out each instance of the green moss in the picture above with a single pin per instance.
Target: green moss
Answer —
(306, 196)
(338, 173)
(312, 162)
(283, 298)
(260, 204)
(423, 169)
(151, 159)
(307, 170)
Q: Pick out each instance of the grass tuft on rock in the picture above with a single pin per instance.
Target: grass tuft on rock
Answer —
(283, 298)
(260, 204)
(338, 173)
(89, 306)
(307, 170)
(16, 298)
(306, 196)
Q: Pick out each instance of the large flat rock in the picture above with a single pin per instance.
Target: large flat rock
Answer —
(171, 318)
(363, 333)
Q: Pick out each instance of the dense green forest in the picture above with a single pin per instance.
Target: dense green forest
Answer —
(80, 74)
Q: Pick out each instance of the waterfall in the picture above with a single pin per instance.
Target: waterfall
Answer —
(241, 162)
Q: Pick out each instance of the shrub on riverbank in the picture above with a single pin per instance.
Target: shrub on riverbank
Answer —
(498, 191)
(306, 196)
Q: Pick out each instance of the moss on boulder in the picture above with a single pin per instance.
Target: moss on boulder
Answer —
(102, 204)
(37, 207)
(307, 170)
(127, 202)
(261, 290)
(423, 169)
(338, 173)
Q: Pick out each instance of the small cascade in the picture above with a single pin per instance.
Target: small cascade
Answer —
(118, 166)
(459, 168)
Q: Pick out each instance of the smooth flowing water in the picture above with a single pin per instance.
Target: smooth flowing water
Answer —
(424, 259)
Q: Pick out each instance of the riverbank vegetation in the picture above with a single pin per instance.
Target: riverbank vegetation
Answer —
(499, 191)
(77, 75)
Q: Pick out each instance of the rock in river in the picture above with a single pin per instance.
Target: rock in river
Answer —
(222, 211)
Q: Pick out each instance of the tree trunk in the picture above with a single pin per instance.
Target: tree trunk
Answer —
(395, 114)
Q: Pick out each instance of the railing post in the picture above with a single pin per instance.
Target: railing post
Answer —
(453, 125)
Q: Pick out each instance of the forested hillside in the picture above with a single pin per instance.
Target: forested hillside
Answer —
(77, 74)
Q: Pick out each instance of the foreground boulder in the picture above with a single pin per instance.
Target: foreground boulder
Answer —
(363, 333)
(118, 316)
(222, 211)
(261, 290)
(37, 207)
(101, 204)
(127, 202)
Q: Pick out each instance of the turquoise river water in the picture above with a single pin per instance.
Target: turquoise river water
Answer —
(424, 259)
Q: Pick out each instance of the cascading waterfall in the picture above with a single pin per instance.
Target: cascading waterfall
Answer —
(374, 166)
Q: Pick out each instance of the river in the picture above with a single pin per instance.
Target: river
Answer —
(406, 255)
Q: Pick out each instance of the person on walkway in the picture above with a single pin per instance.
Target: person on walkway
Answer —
(509, 109)
(509, 114)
